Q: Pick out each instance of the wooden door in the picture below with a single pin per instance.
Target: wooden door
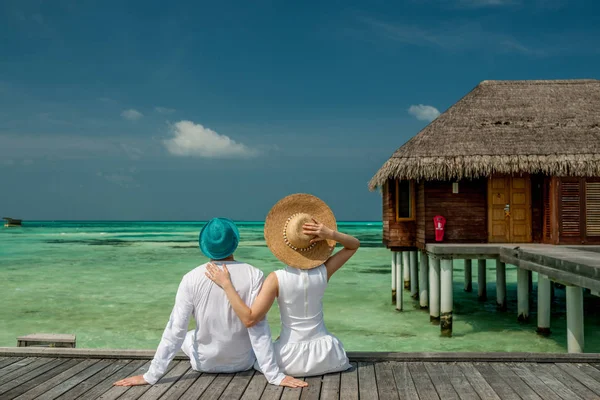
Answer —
(509, 209)
(498, 197)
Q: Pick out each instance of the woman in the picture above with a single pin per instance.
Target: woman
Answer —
(300, 230)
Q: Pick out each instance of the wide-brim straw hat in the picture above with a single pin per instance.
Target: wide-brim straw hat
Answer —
(284, 234)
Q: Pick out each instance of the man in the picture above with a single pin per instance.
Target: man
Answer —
(220, 343)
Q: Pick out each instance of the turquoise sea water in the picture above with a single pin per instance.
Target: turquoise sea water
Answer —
(113, 285)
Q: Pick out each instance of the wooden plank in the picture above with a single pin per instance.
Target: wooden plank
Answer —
(581, 376)
(56, 380)
(104, 379)
(496, 382)
(24, 370)
(217, 387)
(238, 385)
(441, 382)
(404, 382)
(330, 388)
(533, 381)
(198, 387)
(272, 392)
(590, 370)
(520, 387)
(386, 385)
(4, 361)
(567, 380)
(21, 379)
(136, 392)
(256, 387)
(423, 383)
(349, 383)
(32, 383)
(558, 387)
(477, 381)
(116, 391)
(311, 392)
(16, 365)
(182, 385)
(367, 384)
(458, 381)
(168, 380)
(74, 380)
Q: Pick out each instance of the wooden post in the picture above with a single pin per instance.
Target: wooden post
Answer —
(406, 268)
(446, 298)
(500, 285)
(574, 319)
(399, 292)
(544, 305)
(468, 276)
(423, 276)
(522, 295)
(394, 277)
(481, 280)
(434, 290)
(414, 275)
(530, 280)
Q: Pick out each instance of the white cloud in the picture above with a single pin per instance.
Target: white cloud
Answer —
(190, 139)
(423, 112)
(131, 114)
(164, 110)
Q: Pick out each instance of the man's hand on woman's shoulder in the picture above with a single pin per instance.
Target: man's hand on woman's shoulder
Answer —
(292, 382)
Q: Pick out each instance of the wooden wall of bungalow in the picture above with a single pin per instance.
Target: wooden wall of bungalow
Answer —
(542, 209)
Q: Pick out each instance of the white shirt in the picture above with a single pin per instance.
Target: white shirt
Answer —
(220, 343)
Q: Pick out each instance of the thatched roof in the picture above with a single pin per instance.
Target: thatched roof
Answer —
(550, 127)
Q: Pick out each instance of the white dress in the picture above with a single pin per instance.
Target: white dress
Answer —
(305, 347)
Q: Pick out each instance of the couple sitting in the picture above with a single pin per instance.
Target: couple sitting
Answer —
(300, 230)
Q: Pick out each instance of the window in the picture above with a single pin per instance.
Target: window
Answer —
(405, 200)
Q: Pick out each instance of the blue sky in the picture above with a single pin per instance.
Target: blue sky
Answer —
(189, 110)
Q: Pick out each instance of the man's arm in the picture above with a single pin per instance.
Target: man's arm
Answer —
(260, 332)
(172, 339)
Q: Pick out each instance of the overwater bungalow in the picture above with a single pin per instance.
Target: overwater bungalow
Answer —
(511, 162)
(8, 222)
(511, 172)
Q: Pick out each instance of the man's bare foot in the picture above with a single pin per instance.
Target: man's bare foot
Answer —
(132, 381)
(292, 382)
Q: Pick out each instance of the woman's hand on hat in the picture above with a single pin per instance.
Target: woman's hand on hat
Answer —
(217, 275)
(317, 229)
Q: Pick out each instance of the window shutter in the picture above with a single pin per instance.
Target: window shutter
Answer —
(592, 209)
(547, 211)
(570, 200)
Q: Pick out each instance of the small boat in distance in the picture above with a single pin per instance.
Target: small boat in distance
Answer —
(12, 222)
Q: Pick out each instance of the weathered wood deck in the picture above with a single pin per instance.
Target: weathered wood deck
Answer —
(435, 376)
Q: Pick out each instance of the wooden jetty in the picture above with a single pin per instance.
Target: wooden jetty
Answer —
(28, 373)
(9, 222)
(511, 173)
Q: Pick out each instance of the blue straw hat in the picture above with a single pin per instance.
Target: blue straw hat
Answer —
(219, 238)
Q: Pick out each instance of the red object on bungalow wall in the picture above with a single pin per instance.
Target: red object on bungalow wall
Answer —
(439, 223)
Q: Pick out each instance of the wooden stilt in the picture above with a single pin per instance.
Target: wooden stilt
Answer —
(446, 295)
(468, 275)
